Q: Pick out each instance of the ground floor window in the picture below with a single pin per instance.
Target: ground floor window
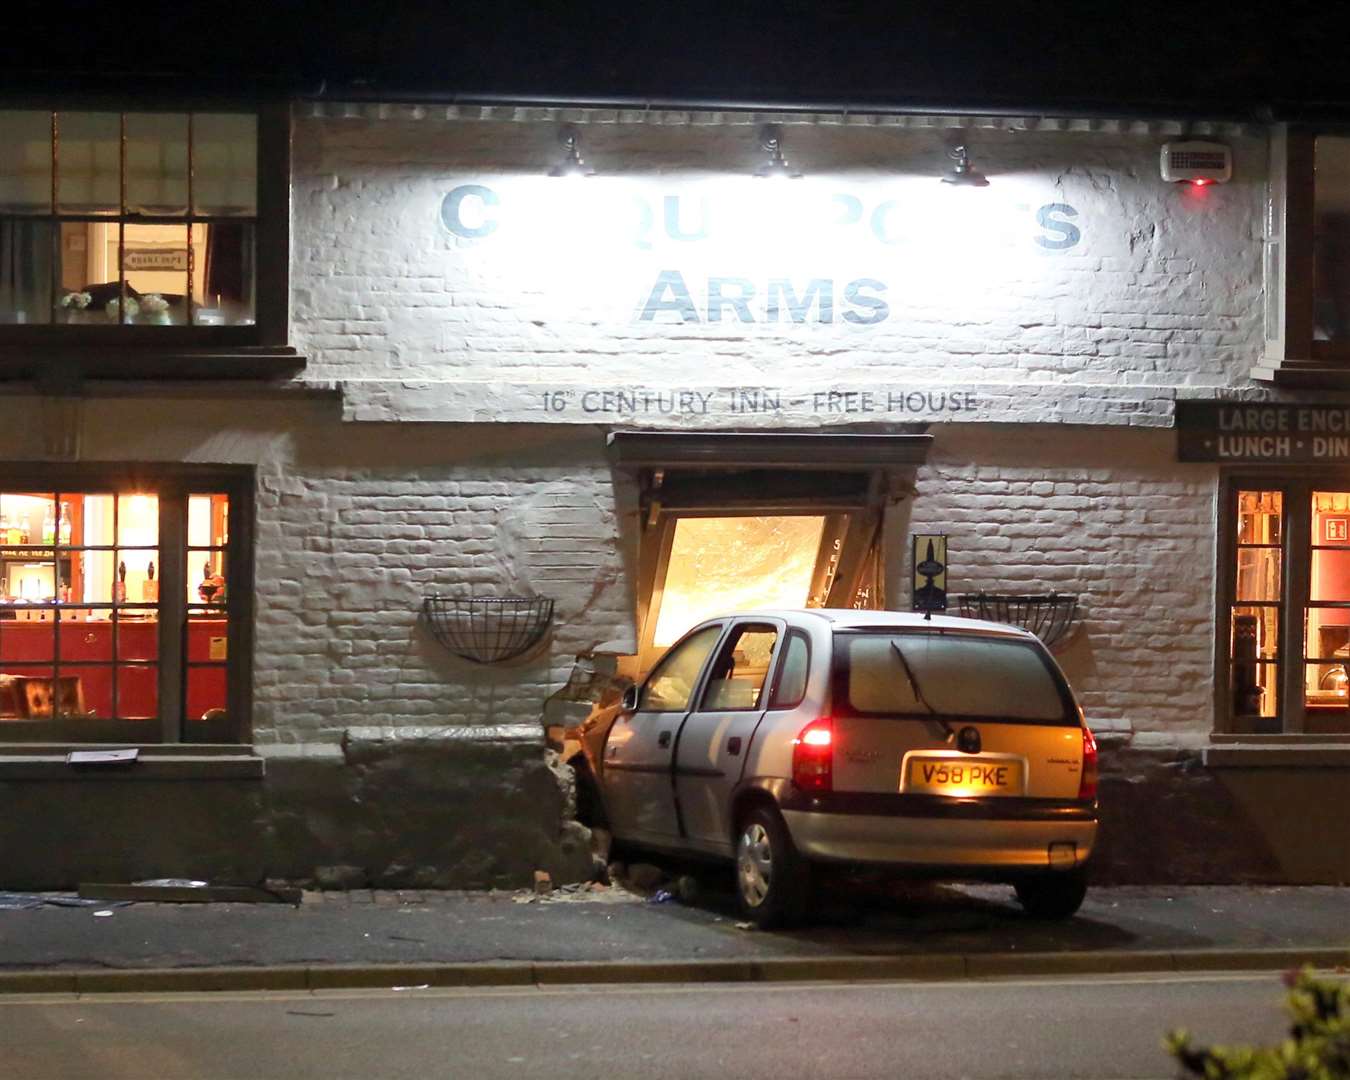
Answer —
(125, 599)
(1286, 546)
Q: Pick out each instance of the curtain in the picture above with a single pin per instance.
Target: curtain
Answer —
(25, 271)
(229, 263)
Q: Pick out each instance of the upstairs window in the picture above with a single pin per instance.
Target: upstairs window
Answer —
(1307, 259)
(121, 219)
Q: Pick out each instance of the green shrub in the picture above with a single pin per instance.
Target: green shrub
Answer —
(1318, 1047)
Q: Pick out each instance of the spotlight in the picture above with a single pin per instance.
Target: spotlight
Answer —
(777, 167)
(572, 163)
(963, 174)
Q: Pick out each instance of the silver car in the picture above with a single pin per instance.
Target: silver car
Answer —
(788, 741)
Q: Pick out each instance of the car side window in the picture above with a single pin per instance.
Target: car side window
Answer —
(671, 685)
(793, 669)
(741, 669)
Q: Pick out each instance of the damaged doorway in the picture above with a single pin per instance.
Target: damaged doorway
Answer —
(735, 522)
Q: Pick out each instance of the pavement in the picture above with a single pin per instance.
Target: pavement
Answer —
(588, 934)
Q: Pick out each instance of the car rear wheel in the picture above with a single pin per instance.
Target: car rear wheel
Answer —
(1052, 896)
(772, 881)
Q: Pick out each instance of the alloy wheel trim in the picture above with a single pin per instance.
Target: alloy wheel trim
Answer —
(754, 864)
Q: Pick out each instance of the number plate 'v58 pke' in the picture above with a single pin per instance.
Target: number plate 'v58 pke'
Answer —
(963, 776)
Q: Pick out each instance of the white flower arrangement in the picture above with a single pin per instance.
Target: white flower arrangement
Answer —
(77, 300)
(114, 308)
(154, 304)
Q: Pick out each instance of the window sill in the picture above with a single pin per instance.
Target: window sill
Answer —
(187, 762)
(1279, 752)
(1324, 372)
(76, 362)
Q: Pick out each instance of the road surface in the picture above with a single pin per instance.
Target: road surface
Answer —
(1091, 1027)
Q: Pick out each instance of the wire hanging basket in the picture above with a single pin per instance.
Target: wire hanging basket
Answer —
(487, 630)
(1047, 615)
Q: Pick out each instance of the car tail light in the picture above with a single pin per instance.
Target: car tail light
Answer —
(1087, 785)
(813, 756)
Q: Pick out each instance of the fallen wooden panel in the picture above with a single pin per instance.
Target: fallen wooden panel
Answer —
(191, 894)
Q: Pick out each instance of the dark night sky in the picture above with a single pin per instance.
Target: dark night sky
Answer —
(1218, 56)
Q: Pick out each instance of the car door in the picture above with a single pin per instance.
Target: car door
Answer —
(714, 739)
(636, 776)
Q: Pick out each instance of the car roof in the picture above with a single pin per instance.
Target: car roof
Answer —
(851, 619)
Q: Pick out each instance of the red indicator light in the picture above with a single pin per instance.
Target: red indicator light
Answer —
(813, 757)
(1087, 785)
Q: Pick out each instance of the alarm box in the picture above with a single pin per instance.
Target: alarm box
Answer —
(1195, 162)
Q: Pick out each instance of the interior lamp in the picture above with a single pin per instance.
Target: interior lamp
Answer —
(963, 174)
(572, 163)
(777, 167)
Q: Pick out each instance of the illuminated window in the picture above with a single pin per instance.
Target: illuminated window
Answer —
(118, 619)
(1288, 611)
(720, 564)
(114, 220)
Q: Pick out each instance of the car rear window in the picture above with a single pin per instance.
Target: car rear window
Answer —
(950, 674)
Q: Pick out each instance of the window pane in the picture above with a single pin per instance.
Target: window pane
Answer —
(208, 635)
(137, 639)
(93, 688)
(86, 634)
(24, 640)
(1259, 517)
(225, 164)
(208, 520)
(1331, 239)
(26, 165)
(672, 683)
(1258, 574)
(25, 271)
(137, 691)
(25, 519)
(1330, 575)
(1014, 680)
(208, 585)
(737, 679)
(155, 262)
(792, 683)
(1259, 629)
(157, 163)
(206, 690)
(223, 275)
(1255, 692)
(137, 520)
(88, 163)
(729, 563)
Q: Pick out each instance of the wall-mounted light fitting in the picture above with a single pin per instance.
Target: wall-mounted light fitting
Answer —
(572, 163)
(963, 173)
(777, 167)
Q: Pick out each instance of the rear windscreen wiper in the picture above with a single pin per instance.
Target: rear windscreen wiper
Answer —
(918, 691)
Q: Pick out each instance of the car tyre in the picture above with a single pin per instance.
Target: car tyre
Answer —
(1052, 896)
(773, 882)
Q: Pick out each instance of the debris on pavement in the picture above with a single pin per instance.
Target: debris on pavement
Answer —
(187, 891)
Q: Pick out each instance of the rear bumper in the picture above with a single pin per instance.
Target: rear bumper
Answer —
(1020, 836)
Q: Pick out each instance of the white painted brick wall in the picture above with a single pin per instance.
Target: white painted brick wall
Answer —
(1162, 290)
(345, 560)
(1110, 518)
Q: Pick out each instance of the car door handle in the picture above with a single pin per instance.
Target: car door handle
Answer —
(663, 740)
(734, 745)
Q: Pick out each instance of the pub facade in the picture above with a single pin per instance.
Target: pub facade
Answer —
(355, 452)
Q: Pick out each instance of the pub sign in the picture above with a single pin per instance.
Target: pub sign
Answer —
(1262, 433)
(930, 572)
